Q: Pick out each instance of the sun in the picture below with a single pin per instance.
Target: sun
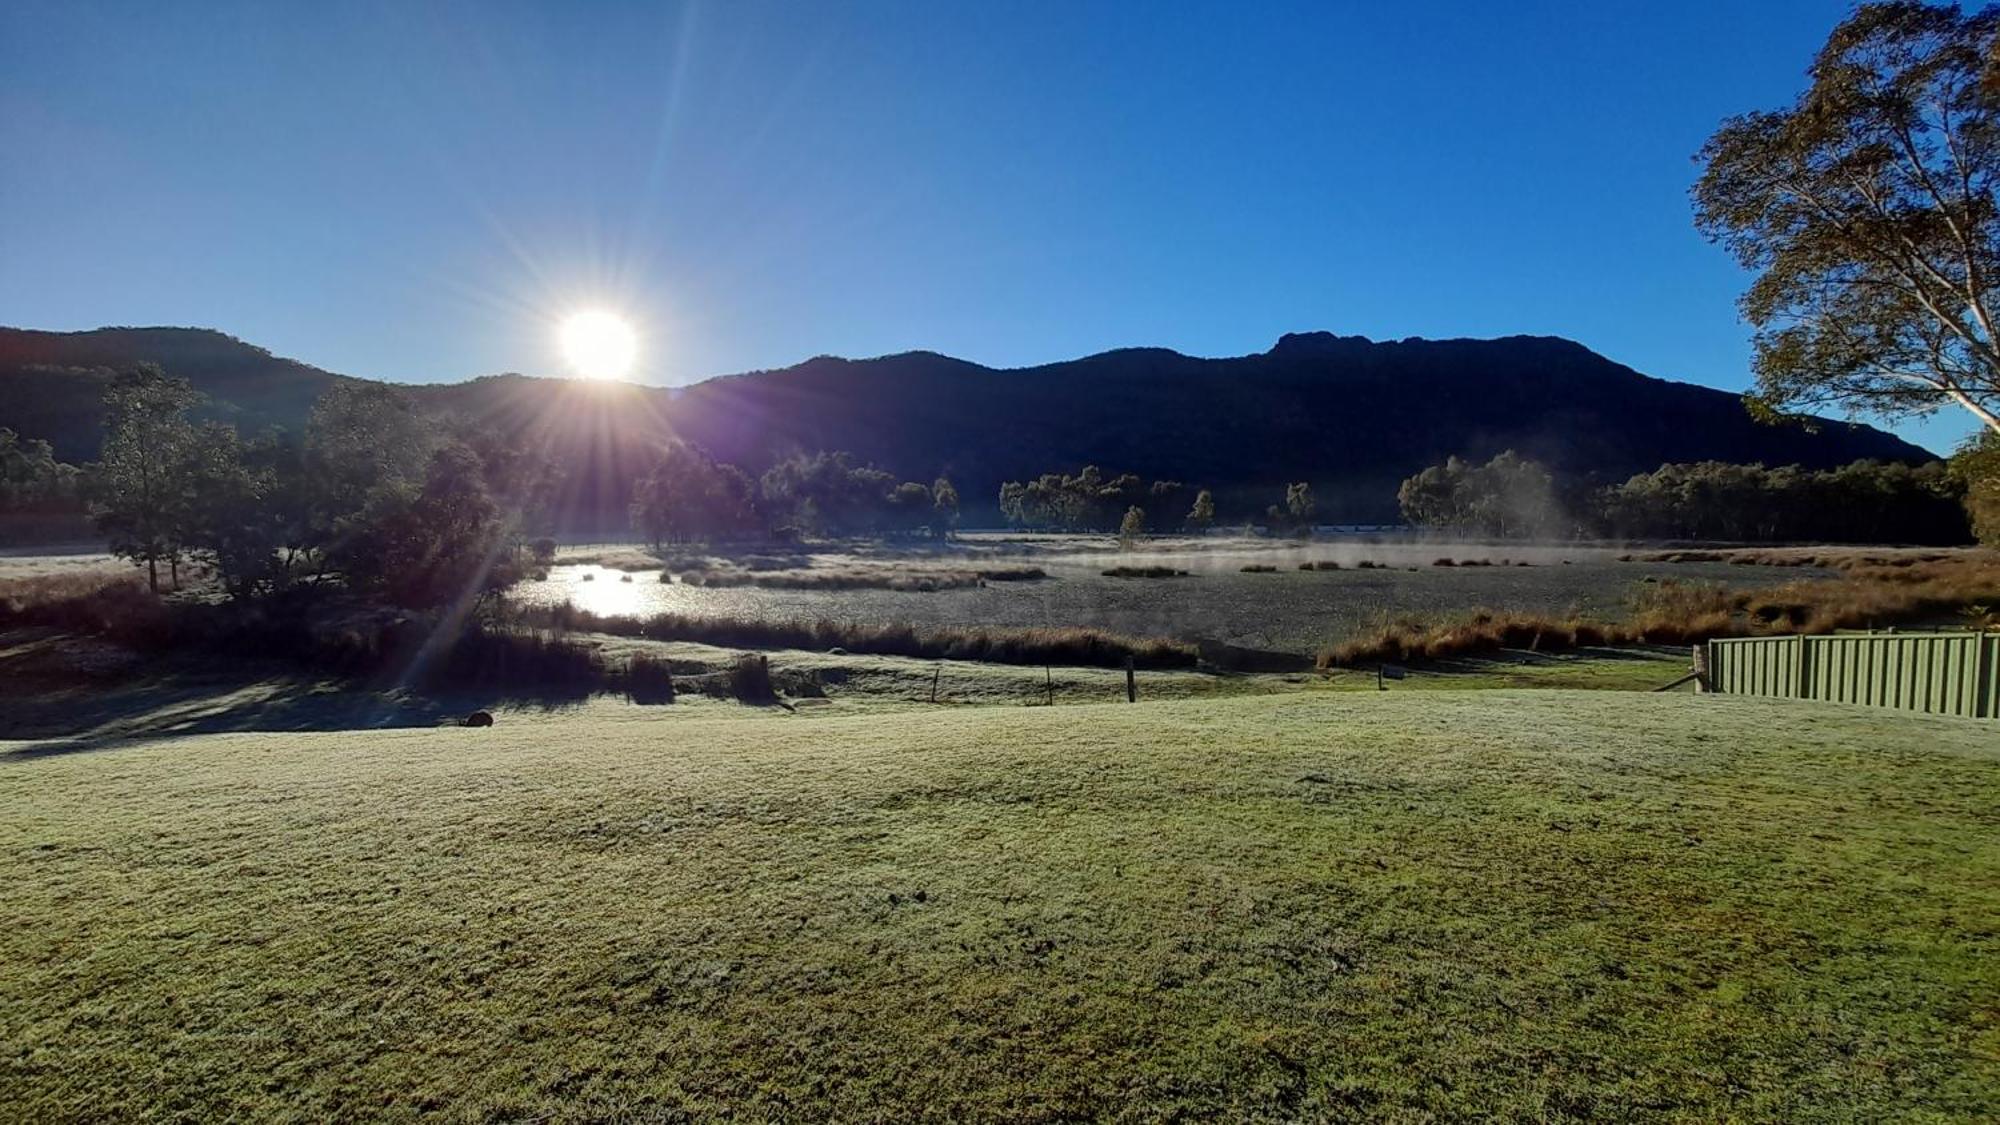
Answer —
(598, 344)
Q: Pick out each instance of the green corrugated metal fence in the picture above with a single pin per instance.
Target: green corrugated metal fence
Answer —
(1939, 673)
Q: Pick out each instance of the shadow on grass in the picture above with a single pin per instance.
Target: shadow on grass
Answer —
(87, 718)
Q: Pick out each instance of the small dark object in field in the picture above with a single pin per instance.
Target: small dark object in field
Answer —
(1260, 568)
(1316, 779)
(477, 719)
(920, 896)
(895, 899)
(588, 577)
(1524, 562)
(624, 578)
(836, 651)
(1323, 564)
(1370, 564)
(1443, 562)
(1144, 572)
(666, 576)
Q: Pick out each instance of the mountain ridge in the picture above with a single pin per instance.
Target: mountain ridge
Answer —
(1350, 414)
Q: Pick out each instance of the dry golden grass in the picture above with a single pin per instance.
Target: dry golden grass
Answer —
(1960, 585)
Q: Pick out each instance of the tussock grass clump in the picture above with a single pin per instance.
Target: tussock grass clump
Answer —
(649, 679)
(507, 660)
(1144, 572)
(1071, 646)
(1011, 573)
(750, 680)
(1259, 568)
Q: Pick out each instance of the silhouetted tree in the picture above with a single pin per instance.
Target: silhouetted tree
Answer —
(443, 545)
(1202, 516)
(1133, 526)
(1300, 505)
(30, 476)
(689, 497)
(1867, 211)
(140, 485)
(944, 507)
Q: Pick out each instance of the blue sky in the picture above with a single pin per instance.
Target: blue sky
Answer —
(415, 191)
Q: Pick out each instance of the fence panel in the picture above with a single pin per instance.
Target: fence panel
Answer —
(1937, 673)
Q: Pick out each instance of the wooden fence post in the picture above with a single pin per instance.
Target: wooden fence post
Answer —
(1701, 667)
(1131, 683)
(1800, 680)
(934, 682)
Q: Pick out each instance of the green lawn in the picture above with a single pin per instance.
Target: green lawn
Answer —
(1413, 905)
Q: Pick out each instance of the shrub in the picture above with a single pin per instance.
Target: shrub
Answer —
(1260, 568)
(649, 679)
(750, 679)
(1144, 572)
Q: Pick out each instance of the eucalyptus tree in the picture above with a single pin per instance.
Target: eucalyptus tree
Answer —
(1866, 210)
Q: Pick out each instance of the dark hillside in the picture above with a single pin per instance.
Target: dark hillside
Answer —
(1350, 415)
(51, 383)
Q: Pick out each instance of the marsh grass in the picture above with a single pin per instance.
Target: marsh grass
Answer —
(1072, 646)
(906, 579)
(1960, 588)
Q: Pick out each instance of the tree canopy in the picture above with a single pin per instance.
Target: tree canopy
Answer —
(1867, 211)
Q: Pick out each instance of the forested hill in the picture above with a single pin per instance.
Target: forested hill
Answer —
(1350, 415)
(52, 383)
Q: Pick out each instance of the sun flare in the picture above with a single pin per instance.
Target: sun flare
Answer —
(598, 344)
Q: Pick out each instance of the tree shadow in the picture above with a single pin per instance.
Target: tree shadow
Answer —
(84, 719)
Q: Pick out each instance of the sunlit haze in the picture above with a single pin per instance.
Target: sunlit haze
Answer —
(598, 345)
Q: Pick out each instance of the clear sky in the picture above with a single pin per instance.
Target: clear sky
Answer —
(415, 191)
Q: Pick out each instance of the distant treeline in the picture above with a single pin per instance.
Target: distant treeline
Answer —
(1864, 502)
(690, 497)
(1090, 501)
(393, 503)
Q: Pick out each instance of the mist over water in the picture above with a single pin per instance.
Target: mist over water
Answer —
(1288, 610)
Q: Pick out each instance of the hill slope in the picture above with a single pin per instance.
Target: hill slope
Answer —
(52, 383)
(1351, 415)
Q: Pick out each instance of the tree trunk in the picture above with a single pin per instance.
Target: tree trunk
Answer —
(174, 568)
(153, 574)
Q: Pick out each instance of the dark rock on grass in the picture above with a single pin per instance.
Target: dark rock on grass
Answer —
(477, 719)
